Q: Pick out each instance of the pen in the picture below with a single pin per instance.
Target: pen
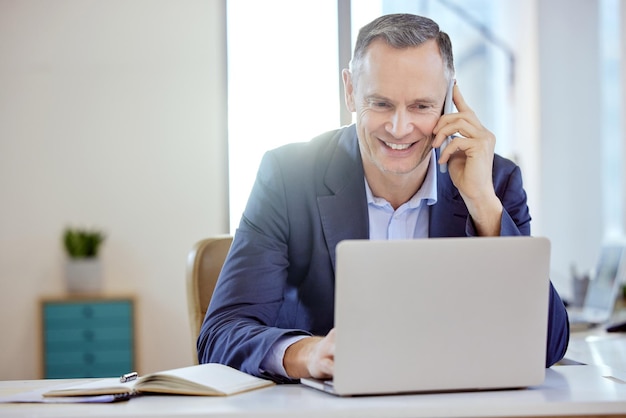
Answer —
(128, 377)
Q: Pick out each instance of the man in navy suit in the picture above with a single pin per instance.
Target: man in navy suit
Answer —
(271, 314)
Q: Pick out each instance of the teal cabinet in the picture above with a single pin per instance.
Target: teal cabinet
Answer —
(87, 337)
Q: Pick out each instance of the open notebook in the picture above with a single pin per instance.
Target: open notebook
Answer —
(439, 314)
(204, 380)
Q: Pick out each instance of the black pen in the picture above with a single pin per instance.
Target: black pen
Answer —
(128, 377)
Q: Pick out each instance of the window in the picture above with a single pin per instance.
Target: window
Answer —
(283, 82)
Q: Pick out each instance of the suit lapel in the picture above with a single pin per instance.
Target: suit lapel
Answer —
(343, 211)
(449, 215)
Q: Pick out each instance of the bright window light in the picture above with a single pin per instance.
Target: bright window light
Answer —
(283, 82)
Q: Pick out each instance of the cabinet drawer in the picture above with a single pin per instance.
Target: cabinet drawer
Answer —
(89, 364)
(87, 357)
(85, 338)
(76, 370)
(67, 315)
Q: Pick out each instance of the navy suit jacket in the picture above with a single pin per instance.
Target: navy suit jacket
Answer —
(278, 278)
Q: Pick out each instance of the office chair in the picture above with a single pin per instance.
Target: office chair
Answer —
(204, 264)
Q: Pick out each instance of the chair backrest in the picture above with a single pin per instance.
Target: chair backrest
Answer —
(204, 264)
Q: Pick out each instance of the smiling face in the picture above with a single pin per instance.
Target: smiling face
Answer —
(397, 95)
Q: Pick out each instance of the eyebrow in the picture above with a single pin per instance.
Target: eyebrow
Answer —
(425, 100)
(377, 97)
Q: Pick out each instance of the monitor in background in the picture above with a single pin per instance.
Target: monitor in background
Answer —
(603, 287)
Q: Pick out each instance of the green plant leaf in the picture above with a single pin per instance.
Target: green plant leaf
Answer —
(82, 243)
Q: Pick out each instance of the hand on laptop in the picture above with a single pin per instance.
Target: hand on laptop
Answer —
(311, 357)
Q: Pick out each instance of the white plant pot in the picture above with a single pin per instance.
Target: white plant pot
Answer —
(83, 275)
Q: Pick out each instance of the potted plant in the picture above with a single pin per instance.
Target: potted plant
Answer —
(83, 268)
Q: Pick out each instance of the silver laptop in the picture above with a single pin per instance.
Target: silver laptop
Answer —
(439, 314)
(603, 288)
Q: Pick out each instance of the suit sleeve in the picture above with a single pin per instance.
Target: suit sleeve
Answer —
(239, 328)
(558, 329)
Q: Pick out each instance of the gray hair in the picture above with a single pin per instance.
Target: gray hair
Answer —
(403, 31)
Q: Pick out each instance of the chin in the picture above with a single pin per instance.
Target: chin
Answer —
(403, 170)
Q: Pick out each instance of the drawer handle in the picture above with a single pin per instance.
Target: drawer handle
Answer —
(88, 335)
(89, 358)
(87, 311)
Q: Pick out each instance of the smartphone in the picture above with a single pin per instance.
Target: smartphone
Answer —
(448, 107)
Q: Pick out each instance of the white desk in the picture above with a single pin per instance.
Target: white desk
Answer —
(596, 346)
(599, 348)
(567, 391)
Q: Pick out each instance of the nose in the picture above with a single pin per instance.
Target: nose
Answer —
(400, 124)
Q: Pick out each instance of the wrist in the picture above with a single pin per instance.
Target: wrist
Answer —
(296, 358)
(487, 216)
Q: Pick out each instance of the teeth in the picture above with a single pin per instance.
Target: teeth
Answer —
(397, 146)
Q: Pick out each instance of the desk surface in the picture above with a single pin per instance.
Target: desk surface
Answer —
(567, 391)
(598, 347)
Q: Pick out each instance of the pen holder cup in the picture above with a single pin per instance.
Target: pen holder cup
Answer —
(579, 290)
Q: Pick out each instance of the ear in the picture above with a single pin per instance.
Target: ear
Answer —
(348, 89)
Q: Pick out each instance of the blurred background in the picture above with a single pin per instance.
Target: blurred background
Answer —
(147, 119)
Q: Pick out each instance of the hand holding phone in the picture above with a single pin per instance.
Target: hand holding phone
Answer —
(448, 107)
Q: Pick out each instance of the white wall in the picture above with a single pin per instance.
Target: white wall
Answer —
(570, 120)
(112, 114)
